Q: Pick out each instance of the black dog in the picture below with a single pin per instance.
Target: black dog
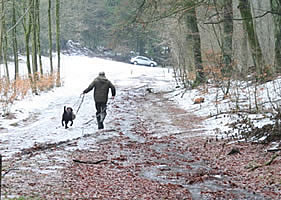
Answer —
(67, 116)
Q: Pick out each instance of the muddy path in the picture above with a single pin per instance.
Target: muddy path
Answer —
(142, 154)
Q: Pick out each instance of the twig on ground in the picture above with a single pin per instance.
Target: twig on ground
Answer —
(271, 160)
(89, 162)
(6, 172)
(273, 150)
(265, 164)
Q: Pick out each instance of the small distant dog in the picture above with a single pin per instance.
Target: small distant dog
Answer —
(67, 116)
(199, 100)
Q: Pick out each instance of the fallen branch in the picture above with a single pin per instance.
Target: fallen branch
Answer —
(233, 112)
(273, 150)
(89, 162)
(265, 164)
(6, 172)
(255, 167)
(271, 160)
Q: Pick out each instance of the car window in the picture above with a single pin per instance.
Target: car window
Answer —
(143, 58)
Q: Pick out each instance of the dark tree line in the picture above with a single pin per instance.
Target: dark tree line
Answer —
(174, 32)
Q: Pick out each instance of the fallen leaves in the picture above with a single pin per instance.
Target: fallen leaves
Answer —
(123, 178)
(264, 179)
(140, 163)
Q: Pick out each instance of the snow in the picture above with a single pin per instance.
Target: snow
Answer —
(38, 118)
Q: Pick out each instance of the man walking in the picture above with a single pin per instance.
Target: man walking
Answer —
(101, 87)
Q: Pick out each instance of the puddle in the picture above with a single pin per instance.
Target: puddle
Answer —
(192, 173)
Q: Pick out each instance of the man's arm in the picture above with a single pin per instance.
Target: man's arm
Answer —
(113, 90)
(89, 88)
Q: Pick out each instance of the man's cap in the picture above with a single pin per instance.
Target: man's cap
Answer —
(101, 74)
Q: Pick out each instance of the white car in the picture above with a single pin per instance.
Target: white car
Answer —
(141, 60)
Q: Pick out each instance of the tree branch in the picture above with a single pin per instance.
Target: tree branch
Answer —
(89, 162)
(242, 19)
(19, 20)
(265, 164)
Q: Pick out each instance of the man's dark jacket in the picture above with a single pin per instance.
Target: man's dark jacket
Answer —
(101, 85)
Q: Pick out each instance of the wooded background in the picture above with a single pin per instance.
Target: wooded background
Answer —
(200, 39)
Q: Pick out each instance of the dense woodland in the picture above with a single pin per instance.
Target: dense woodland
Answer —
(202, 40)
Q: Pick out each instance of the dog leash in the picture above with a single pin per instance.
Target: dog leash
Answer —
(83, 95)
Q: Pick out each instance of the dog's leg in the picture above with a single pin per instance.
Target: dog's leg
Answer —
(66, 122)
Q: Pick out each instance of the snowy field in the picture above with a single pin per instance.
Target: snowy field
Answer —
(38, 118)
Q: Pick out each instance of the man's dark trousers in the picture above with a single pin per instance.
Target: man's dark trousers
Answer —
(100, 114)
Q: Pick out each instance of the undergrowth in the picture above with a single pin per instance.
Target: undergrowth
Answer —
(249, 132)
(11, 91)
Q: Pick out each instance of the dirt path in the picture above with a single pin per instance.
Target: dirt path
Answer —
(146, 152)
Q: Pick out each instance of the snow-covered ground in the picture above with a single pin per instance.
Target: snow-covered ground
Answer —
(38, 118)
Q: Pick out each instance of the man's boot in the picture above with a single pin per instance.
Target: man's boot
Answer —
(100, 124)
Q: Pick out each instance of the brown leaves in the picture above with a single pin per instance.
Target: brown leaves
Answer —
(264, 180)
(122, 177)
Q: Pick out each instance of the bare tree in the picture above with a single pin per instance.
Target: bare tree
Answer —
(50, 35)
(4, 39)
(58, 83)
(27, 25)
(15, 44)
(192, 24)
(245, 10)
(34, 45)
(37, 13)
(276, 8)
(227, 41)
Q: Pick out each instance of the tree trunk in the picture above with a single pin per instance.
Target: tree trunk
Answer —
(34, 47)
(28, 64)
(276, 7)
(140, 44)
(58, 83)
(34, 41)
(227, 42)
(15, 43)
(37, 6)
(27, 25)
(5, 41)
(245, 10)
(227, 39)
(50, 36)
(1, 36)
(193, 27)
